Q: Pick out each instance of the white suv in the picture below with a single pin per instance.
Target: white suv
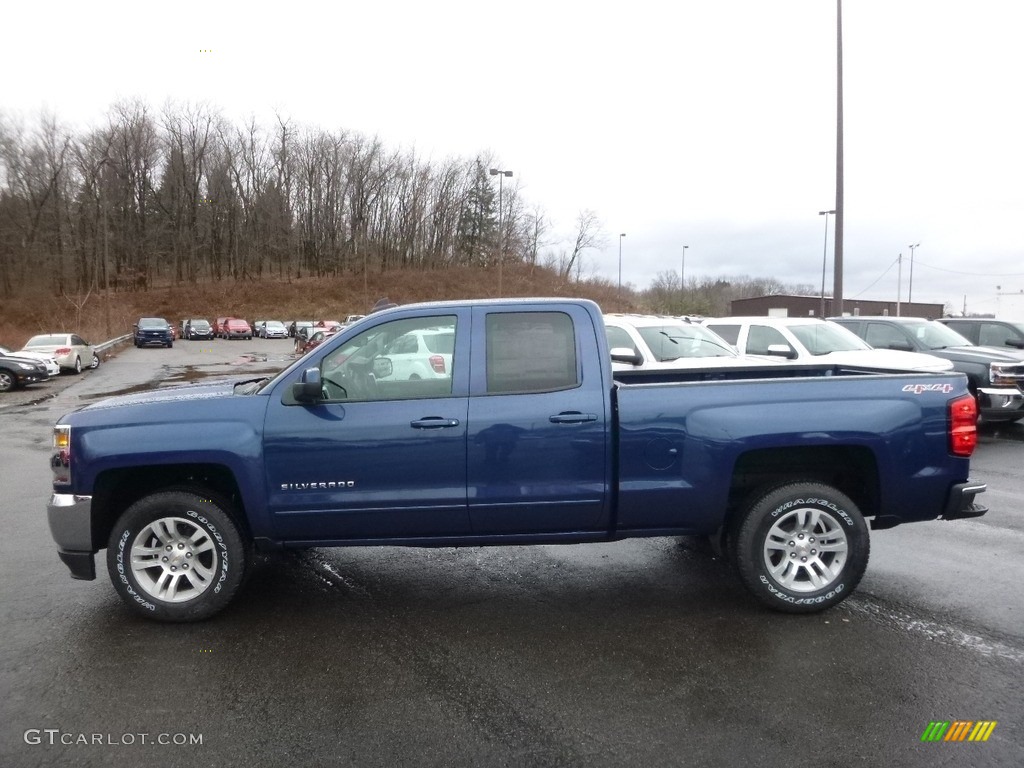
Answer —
(812, 340)
(421, 354)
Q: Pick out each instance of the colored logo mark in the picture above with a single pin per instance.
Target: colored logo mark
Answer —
(959, 730)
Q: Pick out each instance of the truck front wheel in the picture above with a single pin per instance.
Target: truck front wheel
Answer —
(802, 547)
(176, 556)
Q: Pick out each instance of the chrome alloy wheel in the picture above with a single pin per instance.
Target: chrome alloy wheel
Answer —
(805, 550)
(174, 560)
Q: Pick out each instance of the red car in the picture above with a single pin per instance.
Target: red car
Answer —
(303, 345)
(237, 329)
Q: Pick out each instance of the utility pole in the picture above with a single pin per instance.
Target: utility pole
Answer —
(837, 289)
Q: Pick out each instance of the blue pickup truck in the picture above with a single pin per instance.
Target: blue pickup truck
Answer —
(501, 422)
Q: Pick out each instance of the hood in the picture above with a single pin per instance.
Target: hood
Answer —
(183, 393)
(25, 357)
(889, 359)
(978, 354)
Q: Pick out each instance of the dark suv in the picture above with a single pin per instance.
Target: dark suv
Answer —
(198, 328)
(995, 375)
(988, 331)
(153, 330)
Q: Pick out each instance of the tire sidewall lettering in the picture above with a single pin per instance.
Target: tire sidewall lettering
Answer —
(813, 502)
(222, 546)
(123, 574)
(793, 600)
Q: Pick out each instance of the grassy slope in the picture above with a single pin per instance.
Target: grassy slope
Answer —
(309, 298)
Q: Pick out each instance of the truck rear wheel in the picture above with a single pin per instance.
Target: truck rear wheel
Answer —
(802, 547)
(176, 556)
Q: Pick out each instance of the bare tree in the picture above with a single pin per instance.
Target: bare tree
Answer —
(589, 234)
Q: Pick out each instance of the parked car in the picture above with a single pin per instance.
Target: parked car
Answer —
(304, 344)
(652, 342)
(813, 340)
(272, 329)
(236, 328)
(52, 368)
(353, 318)
(420, 354)
(72, 352)
(220, 327)
(987, 331)
(198, 328)
(153, 331)
(328, 324)
(17, 371)
(995, 375)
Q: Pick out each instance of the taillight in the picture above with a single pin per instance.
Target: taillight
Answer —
(63, 351)
(437, 363)
(963, 426)
(60, 457)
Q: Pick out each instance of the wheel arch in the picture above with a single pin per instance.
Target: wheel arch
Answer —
(118, 489)
(852, 470)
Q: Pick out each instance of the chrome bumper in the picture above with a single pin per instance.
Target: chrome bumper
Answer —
(1000, 403)
(70, 519)
(961, 504)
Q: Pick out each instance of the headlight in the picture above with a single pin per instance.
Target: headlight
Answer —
(1000, 377)
(60, 455)
(26, 367)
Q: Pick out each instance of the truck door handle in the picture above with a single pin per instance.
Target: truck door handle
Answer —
(434, 422)
(572, 417)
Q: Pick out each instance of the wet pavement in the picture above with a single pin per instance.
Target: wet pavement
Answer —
(643, 652)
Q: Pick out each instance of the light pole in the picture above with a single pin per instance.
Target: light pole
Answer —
(910, 291)
(621, 235)
(682, 285)
(501, 232)
(824, 258)
(899, 282)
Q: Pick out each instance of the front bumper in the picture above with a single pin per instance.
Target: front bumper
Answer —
(30, 377)
(145, 341)
(1000, 404)
(70, 519)
(960, 504)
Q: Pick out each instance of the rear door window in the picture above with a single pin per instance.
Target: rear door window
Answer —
(530, 352)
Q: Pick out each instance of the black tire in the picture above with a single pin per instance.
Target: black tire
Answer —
(95, 361)
(8, 380)
(170, 344)
(208, 556)
(802, 547)
(78, 364)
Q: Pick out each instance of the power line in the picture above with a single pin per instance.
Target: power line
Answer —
(877, 279)
(971, 274)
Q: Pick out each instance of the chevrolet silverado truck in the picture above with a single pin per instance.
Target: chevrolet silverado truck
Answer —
(523, 436)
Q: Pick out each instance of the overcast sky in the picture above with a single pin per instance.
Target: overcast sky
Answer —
(707, 123)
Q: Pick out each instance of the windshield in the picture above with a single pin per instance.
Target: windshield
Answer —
(152, 322)
(822, 338)
(671, 342)
(932, 335)
(200, 324)
(47, 341)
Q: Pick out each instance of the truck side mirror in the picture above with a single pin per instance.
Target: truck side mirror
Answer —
(782, 350)
(383, 367)
(625, 355)
(308, 389)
